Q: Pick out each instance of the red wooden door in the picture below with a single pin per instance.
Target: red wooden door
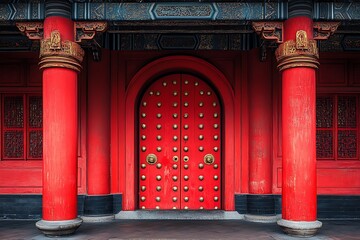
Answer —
(179, 145)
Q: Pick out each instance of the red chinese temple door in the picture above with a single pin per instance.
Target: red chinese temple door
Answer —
(179, 145)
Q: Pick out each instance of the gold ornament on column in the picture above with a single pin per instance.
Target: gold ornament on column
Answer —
(301, 40)
(299, 53)
(55, 43)
(57, 53)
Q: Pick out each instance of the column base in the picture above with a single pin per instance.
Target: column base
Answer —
(58, 228)
(107, 218)
(261, 218)
(299, 228)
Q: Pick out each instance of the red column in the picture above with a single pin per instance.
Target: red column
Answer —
(260, 126)
(98, 141)
(98, 204)
(298, 127)
(261, 205)
(60, 126)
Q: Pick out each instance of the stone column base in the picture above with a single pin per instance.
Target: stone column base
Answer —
(58, 228)
(107, 218)
(299, 228)
(261, 218)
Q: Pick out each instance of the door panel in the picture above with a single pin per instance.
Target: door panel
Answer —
(180, 145)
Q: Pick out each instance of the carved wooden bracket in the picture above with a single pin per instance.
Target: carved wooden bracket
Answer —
(323, 30)
(272, 31)
(88, 30)
(83, 30)
(33, 30)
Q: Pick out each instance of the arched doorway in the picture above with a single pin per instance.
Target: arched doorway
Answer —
(179, 145)
(147, 75)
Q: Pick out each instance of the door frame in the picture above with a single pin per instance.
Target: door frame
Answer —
(206, 71)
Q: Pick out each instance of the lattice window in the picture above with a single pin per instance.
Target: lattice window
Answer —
(21, 127)
(337, 127)
(35, 142)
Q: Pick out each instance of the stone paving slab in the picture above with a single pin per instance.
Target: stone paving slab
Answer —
(180, 229)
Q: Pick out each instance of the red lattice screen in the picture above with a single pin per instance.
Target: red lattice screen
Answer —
(35, 127)
(337, 125)
(21, 127)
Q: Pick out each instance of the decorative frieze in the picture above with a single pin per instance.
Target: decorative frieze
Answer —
(184, 11)
(139, 11)
(238, 10)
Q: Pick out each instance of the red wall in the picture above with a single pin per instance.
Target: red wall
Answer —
(19, 73)
(338, 73)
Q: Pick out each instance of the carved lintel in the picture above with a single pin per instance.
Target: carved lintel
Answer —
(301, 52)
(323, 30)
(57, 53)
(269, 30)
(33, 30)
(87, 30)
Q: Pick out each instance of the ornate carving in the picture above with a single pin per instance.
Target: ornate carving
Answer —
(323, 30)
(13, 144)
(87, 30)
(33, 30)
(324, 144)
(184, 10)
(269, 30)
(299, 53)
(55, 40)
(57, 53)
(301, 40)
(347, 144)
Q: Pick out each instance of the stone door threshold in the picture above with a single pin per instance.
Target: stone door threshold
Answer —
(180, 215)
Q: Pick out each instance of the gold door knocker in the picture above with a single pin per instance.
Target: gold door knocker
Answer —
(151, 158)
(209, 159)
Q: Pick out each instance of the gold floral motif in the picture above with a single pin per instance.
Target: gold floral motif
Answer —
(299, 53)
(57, 53)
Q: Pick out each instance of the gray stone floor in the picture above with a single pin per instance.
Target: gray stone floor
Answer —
(180, 229)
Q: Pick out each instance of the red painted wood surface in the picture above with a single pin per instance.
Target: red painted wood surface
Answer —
(180, 125)
(98, 127)
(205, 70)
(338, 73)
(60, 119)
(298, 134)
(260, 105)
(20, 75)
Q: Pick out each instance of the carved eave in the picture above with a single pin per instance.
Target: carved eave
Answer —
(272, 31)
(323, 30)
(33, 30)
(88, 30)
